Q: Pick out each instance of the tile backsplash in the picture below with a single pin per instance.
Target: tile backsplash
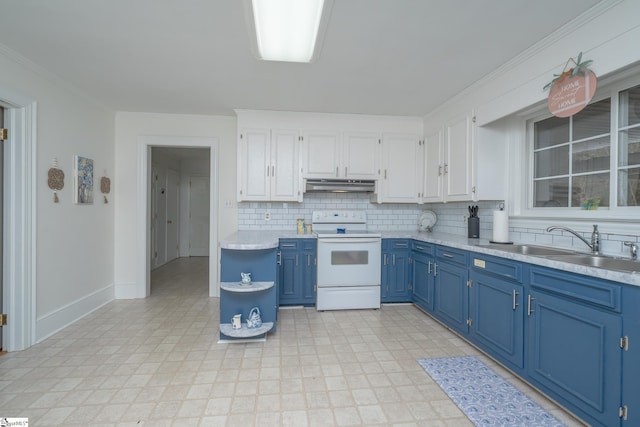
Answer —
(381, 217)
(390, 217)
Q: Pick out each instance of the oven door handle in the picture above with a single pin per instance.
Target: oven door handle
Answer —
(349, 240)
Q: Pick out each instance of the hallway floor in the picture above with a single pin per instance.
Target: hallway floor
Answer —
(156, 362)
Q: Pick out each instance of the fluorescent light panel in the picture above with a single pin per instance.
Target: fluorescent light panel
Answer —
(287, 30)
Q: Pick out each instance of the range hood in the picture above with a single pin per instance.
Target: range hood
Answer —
(341, 185)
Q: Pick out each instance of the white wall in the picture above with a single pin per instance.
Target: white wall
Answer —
(130, 127)
(74, 251)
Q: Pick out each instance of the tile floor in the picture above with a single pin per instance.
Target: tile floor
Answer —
(156, 362)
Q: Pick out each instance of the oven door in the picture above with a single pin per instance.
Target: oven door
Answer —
(349, 261)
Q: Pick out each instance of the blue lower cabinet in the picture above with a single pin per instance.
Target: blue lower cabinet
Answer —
(497, 319)
(309, 254)
(496, 308)
(575, 356)
(451, 302)
(574, 336)
(297, 272)
(395, 283)
(423, 281)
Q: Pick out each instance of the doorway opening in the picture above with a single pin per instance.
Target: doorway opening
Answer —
(178, 178)
(180, 211)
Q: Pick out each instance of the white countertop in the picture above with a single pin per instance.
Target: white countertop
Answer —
(255, 240)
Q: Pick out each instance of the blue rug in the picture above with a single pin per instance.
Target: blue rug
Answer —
(484, 396)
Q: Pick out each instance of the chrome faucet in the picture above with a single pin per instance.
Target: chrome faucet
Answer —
(595, 237)
(634, 250)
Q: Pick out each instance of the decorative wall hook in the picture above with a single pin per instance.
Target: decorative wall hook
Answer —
(105, 186)
(55, 179)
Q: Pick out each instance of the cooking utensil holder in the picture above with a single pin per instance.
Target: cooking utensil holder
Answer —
(474, 227)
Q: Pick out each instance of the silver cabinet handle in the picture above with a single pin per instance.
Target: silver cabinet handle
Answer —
(345, 171)
(288, 245)
(308, 260)
(439, 170)
(429, 267)
(384, 257)
(337, 171)
(446, 255)
(529, 309)
(279, 262)
(515, 303)
(435, 269)
(446, 168)
(273, 170)
(385, 174)
(393, 257)
(267, 170)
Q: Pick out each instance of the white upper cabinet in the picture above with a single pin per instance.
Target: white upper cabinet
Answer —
(268, 165)
(433, 166)
(459, 166)
(354, 156)
(457, 159)
(321, 154)
(401, 169)
(360, 155)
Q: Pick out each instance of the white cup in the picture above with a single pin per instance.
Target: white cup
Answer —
(236, 321)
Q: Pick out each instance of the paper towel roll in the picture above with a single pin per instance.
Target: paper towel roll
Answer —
(500, 226)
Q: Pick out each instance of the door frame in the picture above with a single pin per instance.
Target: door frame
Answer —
(143, 259)
(19, 222)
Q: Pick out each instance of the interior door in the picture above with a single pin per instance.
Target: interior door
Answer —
(173, 200)
(199, 216)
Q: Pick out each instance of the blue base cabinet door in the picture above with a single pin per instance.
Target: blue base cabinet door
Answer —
(395, 284)
(297, 272)
(423, 281)
(451, 292)
(575, 356)
(290, 273)
(422, 277)
(497, 320)
(309, 256)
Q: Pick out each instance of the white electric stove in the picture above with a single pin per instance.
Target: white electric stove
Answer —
(348, 261)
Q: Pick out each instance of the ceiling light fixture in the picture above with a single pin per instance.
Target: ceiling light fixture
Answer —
(289, 30)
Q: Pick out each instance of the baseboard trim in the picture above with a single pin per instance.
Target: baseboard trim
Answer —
(55, 321)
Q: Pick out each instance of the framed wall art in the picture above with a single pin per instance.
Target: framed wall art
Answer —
(83, 180)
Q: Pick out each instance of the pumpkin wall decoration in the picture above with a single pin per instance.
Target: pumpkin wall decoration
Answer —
(571, 90)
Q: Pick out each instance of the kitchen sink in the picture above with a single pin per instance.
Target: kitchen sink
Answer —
(529, 250)
(618, 264)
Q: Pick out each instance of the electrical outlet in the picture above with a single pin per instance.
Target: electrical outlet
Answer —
(267, 216)
(228, 204)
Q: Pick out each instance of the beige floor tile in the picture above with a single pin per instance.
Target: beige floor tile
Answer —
(157, 362)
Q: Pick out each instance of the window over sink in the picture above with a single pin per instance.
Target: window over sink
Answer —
(590, 160)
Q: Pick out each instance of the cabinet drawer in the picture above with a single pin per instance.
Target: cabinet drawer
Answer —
(455, 256)
(581, 288)
(308, 244)
(424, 248)
(289, 244)
(500, 267)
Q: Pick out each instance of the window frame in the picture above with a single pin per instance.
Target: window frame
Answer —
(608, 88)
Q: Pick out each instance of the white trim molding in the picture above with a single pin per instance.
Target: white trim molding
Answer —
(19, 222)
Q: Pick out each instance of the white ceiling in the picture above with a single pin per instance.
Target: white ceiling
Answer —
(396, 57)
